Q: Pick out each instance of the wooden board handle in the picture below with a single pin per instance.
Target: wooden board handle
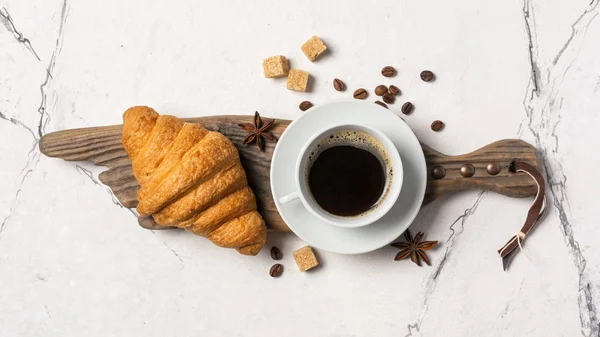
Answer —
(102, 146)
(501, 153)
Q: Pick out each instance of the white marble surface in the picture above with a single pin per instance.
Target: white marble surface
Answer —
(74, 263)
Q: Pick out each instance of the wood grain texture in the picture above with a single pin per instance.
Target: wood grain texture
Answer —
(102, 146)
(502, 152)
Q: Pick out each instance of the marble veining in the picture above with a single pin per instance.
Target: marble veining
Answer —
(543, 114)
(438, 267)
(69, 249)
(44, 115)
(7, 21)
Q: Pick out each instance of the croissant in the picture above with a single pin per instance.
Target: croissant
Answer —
(192, 178)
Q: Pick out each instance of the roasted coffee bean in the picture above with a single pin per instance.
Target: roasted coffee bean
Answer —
(339, 85)
(407, 108)
(394, 90)
(276, 270)
(381, 103)
(360, 93)
(305, 105)
(388, 71)
(276, 253)
(389, 98)
(427, 76)
(381, 90)
(437, 126)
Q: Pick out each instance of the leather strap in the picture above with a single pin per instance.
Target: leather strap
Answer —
(535, 214)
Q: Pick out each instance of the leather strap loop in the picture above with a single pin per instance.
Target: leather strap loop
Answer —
(535, 214)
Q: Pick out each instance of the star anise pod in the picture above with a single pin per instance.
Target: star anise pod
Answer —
(258, 131)
(414, 247)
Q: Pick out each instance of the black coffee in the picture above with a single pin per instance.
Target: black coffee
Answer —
(346, 180)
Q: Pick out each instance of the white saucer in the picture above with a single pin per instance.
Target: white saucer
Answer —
(320, 234)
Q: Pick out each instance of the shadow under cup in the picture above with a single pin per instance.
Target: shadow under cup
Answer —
(363, 138)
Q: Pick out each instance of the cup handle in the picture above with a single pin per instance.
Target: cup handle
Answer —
(287, 198)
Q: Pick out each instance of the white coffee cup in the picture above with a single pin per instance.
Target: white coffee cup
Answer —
(393, 182)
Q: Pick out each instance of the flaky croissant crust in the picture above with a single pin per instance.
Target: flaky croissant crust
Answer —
(192, 178)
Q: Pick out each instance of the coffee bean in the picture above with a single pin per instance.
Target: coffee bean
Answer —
(407, 108)
(389, 98)
(381, 103)
(305, 105)
(394, 90)
(360, 93)
(276, 270)
(388, 71)
(276, 253)
(427, 76)
(381, 90)
(339, 85)
(437, 126)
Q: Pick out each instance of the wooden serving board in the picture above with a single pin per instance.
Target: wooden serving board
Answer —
(102, 146)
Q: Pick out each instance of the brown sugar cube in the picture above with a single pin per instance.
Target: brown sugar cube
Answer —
(305, 258)
(297, 80)
(313, 48)
(276, 66)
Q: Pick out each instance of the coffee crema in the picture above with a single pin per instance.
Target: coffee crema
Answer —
(348, 173)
